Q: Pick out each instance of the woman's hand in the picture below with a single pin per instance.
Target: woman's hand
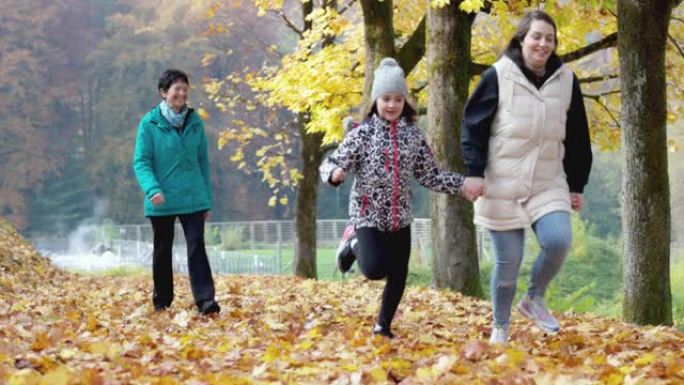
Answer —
(473, 188)
(576, 201)
(157, 199)
(338, 176)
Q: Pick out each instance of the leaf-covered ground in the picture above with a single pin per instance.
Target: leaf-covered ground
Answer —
(60, 328)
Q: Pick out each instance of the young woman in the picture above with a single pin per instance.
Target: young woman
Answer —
(385, 152)
(172, 167)
(526, 147)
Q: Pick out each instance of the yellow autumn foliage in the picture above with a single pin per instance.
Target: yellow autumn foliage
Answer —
(322, 77)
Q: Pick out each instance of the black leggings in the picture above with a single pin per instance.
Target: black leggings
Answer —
(382, 254)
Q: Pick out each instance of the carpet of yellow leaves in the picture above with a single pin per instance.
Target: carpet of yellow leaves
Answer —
(58, 328)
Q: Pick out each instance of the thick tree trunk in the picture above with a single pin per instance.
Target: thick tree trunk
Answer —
(305, 214)
(379, 36)
(305, 210)
(454, 251)
(645, 186)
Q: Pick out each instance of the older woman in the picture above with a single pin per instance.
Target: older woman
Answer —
(172, 167)
(526, 147)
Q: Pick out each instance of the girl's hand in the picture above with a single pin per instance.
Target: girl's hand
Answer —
(338, 176)
(473, 188)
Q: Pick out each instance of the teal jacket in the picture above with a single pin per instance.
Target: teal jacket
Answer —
(177, 165)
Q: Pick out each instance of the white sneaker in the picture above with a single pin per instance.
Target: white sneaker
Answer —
(499, 335)
(536, 310)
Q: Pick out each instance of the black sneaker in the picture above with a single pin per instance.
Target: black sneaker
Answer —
(344, 255)
(160, 308)
(382, 331)
(209, 307)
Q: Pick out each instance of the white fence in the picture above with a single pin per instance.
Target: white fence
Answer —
(254, 247)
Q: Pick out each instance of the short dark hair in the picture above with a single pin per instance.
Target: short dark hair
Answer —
(514, 46)
(169, 77)
(407, 112)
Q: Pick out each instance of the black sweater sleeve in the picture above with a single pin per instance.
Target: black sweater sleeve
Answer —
(477, 120)
(578, 156)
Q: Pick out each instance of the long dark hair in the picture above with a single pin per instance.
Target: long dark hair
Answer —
(514, 47)
(407, 112)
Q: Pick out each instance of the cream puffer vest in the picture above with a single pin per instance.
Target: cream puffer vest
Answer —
(524, 177)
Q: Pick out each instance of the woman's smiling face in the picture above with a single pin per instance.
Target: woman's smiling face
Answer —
(539, 44)
(177, 95)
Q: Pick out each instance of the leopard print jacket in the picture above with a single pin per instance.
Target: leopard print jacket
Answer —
(384, 158)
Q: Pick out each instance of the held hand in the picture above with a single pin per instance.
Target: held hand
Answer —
(473, 188)
(576, 201)
(157, 199)
(338, 175)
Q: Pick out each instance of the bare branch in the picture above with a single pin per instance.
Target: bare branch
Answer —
(487, 7)
(265, 46)
(329, 147)
(414, 49)
(599, 78)
(606, 42)
(602, 94)
(674, 42)
(478, 68)
(346, 7)
(290, 24)
(677, 19)
(597, 99)
(415, 91)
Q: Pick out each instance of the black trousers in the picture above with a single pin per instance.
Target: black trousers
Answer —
(201, 281)
(382, 254)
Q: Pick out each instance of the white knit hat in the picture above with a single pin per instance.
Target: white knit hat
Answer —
(388, 79)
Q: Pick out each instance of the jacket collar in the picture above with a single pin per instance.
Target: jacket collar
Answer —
(160, 121)
(552, 66)
(377, 121)
(516, 74)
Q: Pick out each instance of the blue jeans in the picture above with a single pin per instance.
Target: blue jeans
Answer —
(554, 234)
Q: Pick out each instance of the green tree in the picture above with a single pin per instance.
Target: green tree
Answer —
(602, 195)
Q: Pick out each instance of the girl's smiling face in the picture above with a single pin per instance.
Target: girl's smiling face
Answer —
(390, 106)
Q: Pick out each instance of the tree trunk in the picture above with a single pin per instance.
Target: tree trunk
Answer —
(454, 252)
(379, 36)
(645, 186)
(305, 209)
(305, 214)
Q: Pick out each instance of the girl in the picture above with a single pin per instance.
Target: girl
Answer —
(385, 152)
